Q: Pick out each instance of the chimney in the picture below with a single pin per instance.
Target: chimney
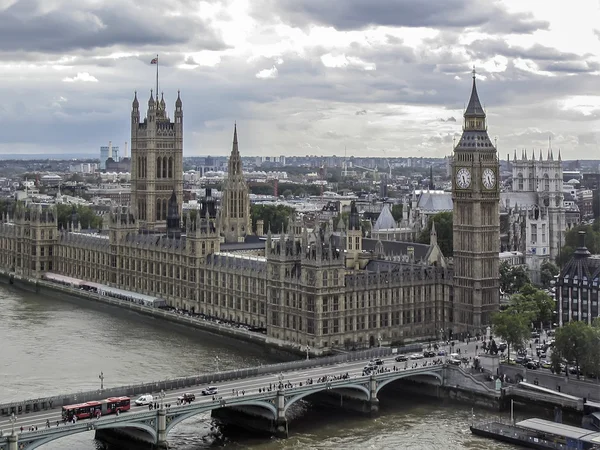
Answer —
(125, 152)
(582, 251)
(110, 155)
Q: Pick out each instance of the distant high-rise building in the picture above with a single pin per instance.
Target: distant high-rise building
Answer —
(103, 157)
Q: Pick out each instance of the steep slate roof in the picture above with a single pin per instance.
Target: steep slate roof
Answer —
(435, 201)
(581, 268)
(397, 248)
(385, 221)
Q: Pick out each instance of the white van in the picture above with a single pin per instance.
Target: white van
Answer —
(145, 399)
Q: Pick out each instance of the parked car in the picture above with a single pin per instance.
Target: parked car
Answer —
(210, 390)
(186, 398)
(145, 399)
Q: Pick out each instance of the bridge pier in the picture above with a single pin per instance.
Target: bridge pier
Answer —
(161, 430)
(13, 442)
(373, 407)
(281, 425)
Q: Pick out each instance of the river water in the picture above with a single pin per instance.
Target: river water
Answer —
(49, 346)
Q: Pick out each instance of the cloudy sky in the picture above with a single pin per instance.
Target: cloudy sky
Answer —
(378, 77)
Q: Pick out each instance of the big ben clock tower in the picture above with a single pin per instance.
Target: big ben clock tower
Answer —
(476, 221)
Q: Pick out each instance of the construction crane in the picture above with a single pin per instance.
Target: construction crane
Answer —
(374, 171)
(387, 160)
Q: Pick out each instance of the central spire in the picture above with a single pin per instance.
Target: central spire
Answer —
(474, 108)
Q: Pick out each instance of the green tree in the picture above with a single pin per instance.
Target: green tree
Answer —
(573, 342)
(287, 193)
(592, 241)
(512, 278)
(548, 271)
(397, 212)
(444, 230)
(85, 215)
(534, 303)
(275, 217)
(512, 327)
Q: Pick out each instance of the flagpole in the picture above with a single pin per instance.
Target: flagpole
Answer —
(157, 78)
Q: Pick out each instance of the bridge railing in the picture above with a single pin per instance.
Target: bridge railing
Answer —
(45, 403)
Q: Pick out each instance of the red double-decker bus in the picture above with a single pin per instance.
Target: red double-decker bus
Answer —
(111, 405)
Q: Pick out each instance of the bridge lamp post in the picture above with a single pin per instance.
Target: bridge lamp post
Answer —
(217, 360)
(307, 352)
(13, 419)
(101, 377)
(162, 397)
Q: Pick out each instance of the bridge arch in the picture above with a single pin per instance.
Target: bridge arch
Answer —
(401, 375)
(30, 443)
(323, 387)
(186, 415)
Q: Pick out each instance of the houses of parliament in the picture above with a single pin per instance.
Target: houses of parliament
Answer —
(316, 287)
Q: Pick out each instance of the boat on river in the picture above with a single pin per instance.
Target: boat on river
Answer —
(539, 434)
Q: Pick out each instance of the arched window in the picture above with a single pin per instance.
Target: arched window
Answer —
(546, 182)
(158, 167)
(158, 209)
(170, 167)
(164, 167)
(164, 210)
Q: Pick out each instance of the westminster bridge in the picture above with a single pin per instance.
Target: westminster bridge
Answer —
(264, 393)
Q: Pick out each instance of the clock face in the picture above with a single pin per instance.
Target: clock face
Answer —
(488, 177)
(463, 178)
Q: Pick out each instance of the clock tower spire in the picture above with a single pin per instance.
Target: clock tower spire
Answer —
(476, 222)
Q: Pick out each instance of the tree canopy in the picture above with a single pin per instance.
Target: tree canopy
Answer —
(86, 216)
(275, 217)
(512, 278)
(511, 326)
(529, 306)
(577, 342)
(548, 271)
(444, 230)
(592, 241)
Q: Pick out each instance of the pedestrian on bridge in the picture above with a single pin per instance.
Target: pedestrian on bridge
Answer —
(47, 423)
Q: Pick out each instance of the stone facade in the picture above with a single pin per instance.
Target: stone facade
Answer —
(476, 221)
(156, 161)
(316, 288)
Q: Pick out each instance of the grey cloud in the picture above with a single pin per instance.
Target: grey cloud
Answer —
(362, 112)
(449, 119)
(537, 52)
(24, 26)
(358, 14)
(569, 66)
(587, 139)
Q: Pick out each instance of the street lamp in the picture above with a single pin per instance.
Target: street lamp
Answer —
(217, 361)
(101, 377)
(307, 352)
(162, 396)
(13, 419)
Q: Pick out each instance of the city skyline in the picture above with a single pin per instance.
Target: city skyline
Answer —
(302, 77)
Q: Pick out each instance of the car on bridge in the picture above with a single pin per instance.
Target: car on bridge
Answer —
(401, 358)
(210, 390)
(186, 398)
(145, 399)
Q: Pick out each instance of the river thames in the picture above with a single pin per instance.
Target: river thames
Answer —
(51, 346)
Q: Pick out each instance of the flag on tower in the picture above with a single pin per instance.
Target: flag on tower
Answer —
(154, 61)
